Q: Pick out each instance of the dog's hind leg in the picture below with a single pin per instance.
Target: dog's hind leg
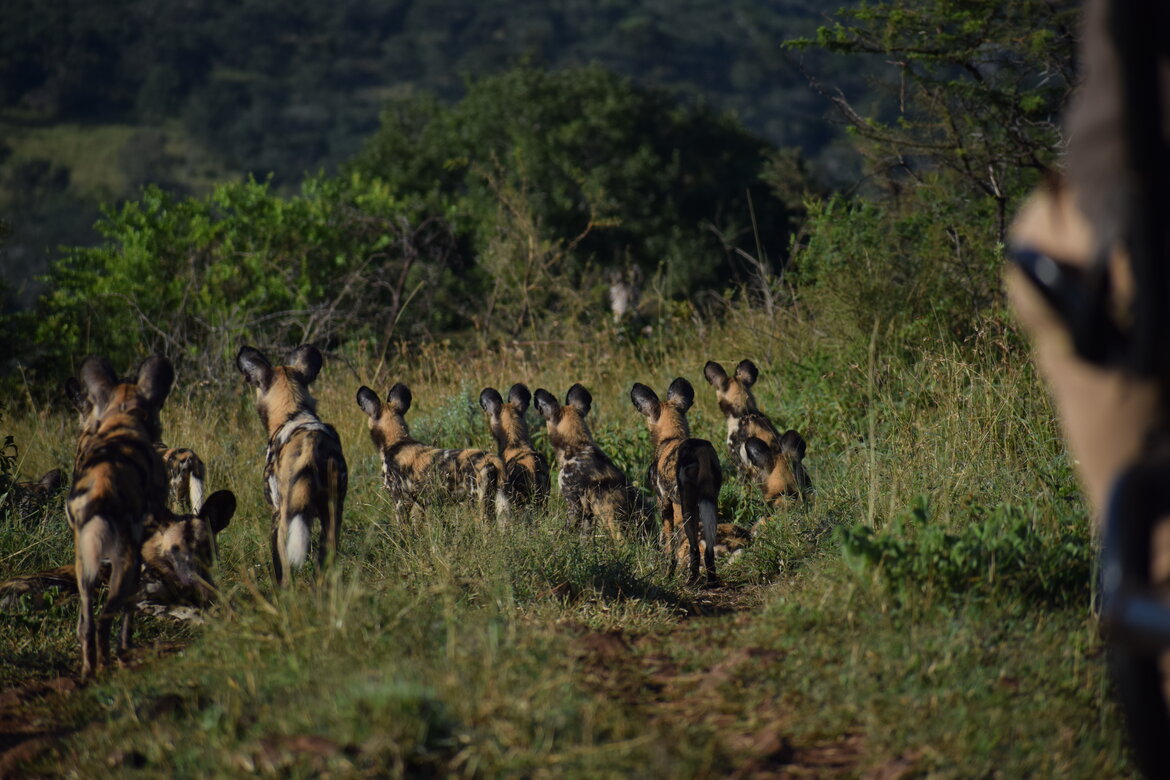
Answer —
(89, 541)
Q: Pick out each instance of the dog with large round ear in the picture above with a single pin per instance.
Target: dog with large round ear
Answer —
(747, 373)
(716, 376)
(579, 398)
(255, 367)
(119, 484)
(306, 361)
(519, 397)
(782, 474)
(526, 473)
(646, 402)
(684, 473)
(305, 476)
(399, 398)
(547, 406)
(97, 381)
(417, 474)
(593, 487)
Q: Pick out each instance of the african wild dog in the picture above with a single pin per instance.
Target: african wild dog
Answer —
(177, 561)
(119, 489)
(185, 470)
(780, 475)
(526, 474)
(593, 487)
(305, 475)
(781, 466)
(410, 467)
(684, 472)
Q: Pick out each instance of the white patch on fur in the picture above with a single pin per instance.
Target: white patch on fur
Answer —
(503, 508)
(274, 489)
(297, 546)
(195, 489)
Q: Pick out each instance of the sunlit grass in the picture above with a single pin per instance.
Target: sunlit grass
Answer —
(446, 645)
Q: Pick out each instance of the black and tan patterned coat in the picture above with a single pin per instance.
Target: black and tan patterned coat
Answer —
(305, 475)
(417, 474)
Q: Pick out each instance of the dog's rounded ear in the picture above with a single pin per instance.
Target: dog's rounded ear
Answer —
(747, 372)
(759, 454)
(98, 379)
(367, 401)
(578, 398)
(156, 376)
(399, 398)
(255, 367)
(519, 397)
(546, 404)
(681, 393)
(645, 401)
(491, 401)
(716, 376)
(306, 361)
(77, 396)
(793, 445)
(218, 509)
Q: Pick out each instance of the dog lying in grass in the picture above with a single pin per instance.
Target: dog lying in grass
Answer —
(526, 472)
(594, 488)
(178, 558)
(411, 470)
(305, 475)
(684, 473)
(773, 462)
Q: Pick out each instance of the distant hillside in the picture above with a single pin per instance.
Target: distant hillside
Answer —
(96, 100)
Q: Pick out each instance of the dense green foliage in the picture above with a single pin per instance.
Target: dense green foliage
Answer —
(193, 277)
(648, 181)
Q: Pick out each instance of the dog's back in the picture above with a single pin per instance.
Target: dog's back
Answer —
(410, 468)
(305, 474)
(592, 485)
(526, 473)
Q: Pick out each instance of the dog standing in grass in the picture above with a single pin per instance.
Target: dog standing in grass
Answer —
(593, 487)
(410, 467)
(684, 473)
(759, 452)
(526, 474)
(305, 476)
(119, 489)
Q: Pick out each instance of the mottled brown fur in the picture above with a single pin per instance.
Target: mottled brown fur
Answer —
(781, 476)
(684, 473)
(305, 475)
(411, 468)
(185, 471)
(526, 472)
(592, 486)
(119, 489)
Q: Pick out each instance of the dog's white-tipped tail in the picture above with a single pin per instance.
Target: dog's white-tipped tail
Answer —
(195, 491)
(298, 541)
(709, 515)
(503, 507)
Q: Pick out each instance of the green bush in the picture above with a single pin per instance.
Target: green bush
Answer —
(660, 182)
(194, 278)
(999, 551)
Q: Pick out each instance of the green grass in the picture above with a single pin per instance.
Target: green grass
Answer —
(448, 646)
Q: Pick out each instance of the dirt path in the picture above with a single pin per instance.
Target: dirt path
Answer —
(648, 672)
(668, 676)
